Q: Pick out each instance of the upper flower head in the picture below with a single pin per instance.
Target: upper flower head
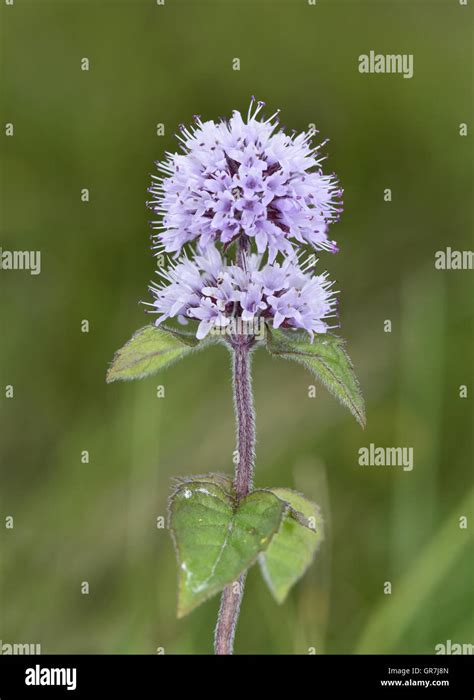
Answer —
(245, 178)
(213, 292)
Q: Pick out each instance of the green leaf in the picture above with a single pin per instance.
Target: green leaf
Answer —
(149, 350)
(293, 547)
(217, 539)
(184, 336)
(327, 359)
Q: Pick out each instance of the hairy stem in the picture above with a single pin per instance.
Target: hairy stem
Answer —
(245, 418)
(228, 615)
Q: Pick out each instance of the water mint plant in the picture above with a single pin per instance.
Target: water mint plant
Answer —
(242, 212)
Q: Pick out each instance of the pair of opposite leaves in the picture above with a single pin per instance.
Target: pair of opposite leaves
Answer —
(216, 538)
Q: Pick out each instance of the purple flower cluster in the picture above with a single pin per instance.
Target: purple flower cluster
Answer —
(212, 292)
(238, 178)
(250, 184)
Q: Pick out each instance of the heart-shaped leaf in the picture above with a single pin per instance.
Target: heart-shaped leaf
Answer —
(293, 547)
(149, 350)
(217, 539)
(327, 359)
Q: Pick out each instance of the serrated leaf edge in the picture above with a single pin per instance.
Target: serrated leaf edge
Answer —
(187, 349)
(288, 354)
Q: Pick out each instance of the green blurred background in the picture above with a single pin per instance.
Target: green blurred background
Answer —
(96, 521)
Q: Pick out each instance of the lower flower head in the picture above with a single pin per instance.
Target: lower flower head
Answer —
(214, 293)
